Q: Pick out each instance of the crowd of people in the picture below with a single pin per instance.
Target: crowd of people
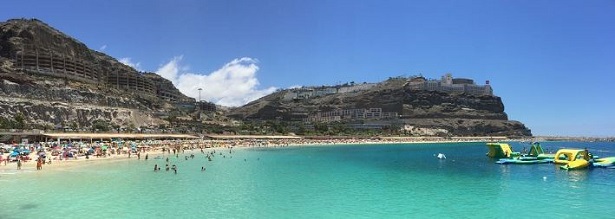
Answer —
(48, 152)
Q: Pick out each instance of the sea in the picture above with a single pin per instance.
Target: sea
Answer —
(335, 181)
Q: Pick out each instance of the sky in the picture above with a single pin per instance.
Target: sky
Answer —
(551, 62)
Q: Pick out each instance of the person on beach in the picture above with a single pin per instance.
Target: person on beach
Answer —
(19, 163)
(146, 155)
(39, 164)
(138, 155)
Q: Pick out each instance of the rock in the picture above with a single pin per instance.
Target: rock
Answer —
(52, 78)
(431, 112)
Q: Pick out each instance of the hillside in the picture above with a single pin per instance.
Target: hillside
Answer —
(421, 111)
(53, 80)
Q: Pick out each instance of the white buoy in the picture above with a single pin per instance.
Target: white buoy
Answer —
(544, 178)
(441, 156)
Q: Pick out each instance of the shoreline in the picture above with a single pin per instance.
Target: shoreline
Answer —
(58, 165)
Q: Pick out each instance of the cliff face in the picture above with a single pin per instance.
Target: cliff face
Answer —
(53, 79)
(38, 49)
(456, 113)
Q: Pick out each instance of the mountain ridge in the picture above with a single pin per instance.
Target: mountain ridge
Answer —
(52, 79)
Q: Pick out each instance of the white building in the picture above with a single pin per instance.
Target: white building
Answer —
(450, 85)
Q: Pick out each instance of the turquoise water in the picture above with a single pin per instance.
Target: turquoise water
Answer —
(351, 181)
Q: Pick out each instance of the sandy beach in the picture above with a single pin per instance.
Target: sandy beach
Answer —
(58, 163)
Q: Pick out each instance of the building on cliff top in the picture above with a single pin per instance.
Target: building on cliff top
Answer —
(449, 84)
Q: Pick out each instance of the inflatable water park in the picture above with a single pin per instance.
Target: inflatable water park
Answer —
(567, 158)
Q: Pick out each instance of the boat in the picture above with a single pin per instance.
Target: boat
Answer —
(576, 164)
(501, 150)
(604, 162)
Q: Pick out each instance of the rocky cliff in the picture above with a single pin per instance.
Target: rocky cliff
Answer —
(53, 80)
(451, 113)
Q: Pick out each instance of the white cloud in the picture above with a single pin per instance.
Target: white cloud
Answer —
(234, 84)
(102, 48)
(170, 70)
(128, 61)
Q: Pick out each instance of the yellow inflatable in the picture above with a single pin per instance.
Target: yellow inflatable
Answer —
(565, 156)
(577, 164)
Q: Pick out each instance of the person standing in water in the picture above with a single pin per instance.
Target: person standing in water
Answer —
(39, 164)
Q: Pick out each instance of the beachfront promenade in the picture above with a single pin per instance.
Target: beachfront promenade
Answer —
(67, 150)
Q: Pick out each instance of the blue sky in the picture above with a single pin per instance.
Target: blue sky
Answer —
(552, 62)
